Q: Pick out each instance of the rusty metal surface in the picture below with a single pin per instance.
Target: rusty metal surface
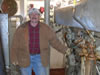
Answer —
(87, 12)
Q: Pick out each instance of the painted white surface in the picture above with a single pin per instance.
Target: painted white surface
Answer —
(56, 59)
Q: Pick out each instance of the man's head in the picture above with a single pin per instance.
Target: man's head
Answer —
(34, 15)
(34, 10)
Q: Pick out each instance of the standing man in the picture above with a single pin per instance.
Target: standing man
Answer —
(30, 46)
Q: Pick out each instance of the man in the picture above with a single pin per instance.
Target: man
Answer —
(30, 46)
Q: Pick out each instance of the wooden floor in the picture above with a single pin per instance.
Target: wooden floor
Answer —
(56, 72)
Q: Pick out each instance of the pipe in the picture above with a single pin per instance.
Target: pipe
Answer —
(47, 11)
(47, 20)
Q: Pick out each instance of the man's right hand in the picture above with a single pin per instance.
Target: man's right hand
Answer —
(15, 63)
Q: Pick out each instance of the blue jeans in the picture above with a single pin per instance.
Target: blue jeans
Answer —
(36, 65)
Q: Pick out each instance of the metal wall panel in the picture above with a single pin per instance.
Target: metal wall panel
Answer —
(5, 37)
(2, 66)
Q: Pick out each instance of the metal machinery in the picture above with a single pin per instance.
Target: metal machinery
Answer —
(81, 30)
(83, 57)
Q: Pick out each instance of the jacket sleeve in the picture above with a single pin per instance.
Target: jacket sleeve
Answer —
(56, 43)
(14, 46)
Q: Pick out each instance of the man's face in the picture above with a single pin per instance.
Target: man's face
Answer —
(34, 18)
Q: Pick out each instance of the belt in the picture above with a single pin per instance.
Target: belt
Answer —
(34, 53)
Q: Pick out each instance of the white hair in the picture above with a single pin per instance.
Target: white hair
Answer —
(34, 10)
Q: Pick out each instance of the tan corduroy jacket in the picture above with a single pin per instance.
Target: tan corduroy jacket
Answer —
(19, 51)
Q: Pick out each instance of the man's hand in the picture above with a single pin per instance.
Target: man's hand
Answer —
(15, 63)
(68, 52)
